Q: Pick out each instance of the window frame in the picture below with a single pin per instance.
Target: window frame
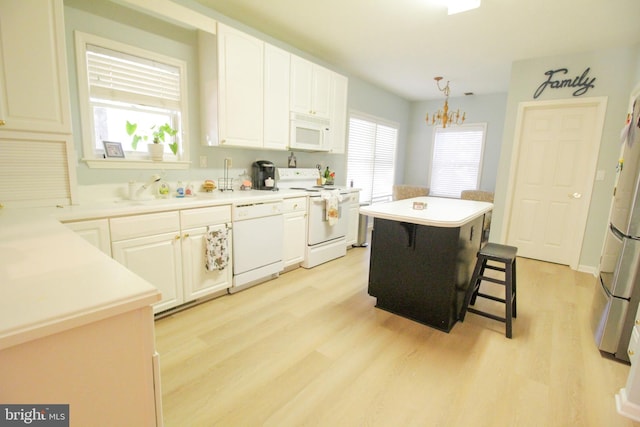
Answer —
(377, 121)
(92, 155)
(480, 126)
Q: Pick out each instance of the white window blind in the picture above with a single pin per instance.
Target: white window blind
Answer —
(371, 157)
(457, 159)
(121, 77)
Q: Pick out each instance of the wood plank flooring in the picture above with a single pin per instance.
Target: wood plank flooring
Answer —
(310, 349)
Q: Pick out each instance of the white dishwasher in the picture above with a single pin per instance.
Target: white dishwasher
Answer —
(258, 230)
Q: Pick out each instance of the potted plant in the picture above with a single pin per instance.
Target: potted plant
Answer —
(158, 135)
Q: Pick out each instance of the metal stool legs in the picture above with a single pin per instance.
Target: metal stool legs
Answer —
(498, 254)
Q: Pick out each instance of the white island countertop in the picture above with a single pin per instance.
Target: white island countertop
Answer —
(438, 211)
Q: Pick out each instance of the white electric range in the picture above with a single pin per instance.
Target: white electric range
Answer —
(325, 241)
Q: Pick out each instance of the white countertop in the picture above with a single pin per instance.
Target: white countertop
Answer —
(52, 280)
(117, 207)
(439, 212)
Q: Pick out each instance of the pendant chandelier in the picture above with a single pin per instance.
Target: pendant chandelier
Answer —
(444, 117)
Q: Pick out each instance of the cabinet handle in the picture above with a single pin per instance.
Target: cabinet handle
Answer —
(2, 123)
(185, 235)
(637, 321)
(177, 237)
(631, 352)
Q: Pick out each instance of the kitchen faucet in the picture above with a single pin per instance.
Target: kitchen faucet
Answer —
(154, 178)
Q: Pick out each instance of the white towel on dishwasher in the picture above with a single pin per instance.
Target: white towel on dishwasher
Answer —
(332, 198)
(217, 250)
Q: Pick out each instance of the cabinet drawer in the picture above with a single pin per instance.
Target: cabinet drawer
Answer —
(297, 204)
(129, 227)
(202, 217)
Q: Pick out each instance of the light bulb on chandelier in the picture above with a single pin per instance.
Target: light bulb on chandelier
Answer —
(444, 117)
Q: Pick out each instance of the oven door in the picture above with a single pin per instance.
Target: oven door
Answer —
(320, 230)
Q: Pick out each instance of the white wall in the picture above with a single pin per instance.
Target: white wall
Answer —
(615, 71)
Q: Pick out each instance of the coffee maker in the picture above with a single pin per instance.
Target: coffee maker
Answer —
(264, 175)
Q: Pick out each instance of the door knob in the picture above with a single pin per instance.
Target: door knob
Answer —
(575, 195)
(2, 123)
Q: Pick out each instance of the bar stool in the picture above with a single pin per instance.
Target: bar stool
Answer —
(498, 254)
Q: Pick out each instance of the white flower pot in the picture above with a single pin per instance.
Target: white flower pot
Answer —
(156, 152)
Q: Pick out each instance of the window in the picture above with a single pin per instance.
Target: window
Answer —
(457, 159)
(371, 157)
(119, 84)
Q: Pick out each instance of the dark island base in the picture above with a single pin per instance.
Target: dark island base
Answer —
(422, 272)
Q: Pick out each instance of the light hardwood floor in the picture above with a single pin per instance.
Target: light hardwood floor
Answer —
(310, 349)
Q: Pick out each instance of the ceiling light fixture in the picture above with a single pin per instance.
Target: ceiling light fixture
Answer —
(444, 117)
(457, 6)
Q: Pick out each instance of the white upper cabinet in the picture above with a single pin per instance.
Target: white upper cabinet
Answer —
(240, 88)
(276, 97)
(310, 88)
(35, 114)
(338, 129)
(34, 88)
(245, 91)
(249, 88)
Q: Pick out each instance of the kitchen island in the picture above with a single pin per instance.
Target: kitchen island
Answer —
(422, 259)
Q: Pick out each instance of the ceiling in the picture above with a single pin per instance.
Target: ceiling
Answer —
(401, 45)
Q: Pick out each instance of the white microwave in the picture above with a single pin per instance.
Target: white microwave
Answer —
(309, 132)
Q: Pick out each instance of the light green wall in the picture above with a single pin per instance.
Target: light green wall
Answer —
(107, 19)
(366, 98)
(489, 109)
(615, 71)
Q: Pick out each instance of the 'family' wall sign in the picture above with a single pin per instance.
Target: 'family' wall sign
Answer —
(583, 83)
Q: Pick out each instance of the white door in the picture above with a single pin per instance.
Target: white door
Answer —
(240, 88)
(34, 91)
(555, 156)
(157, 260)
(294, 238)
(276, 97)
(199, 282)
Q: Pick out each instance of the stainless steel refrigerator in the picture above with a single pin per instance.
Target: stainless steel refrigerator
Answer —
(616, 300)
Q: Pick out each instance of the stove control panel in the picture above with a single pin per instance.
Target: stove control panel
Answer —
(298, 174)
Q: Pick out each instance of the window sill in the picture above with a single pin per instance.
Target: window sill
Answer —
(136, 164)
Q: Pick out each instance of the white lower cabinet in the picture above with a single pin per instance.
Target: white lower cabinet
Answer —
(634, 343)
(196, 223)
(168, 250)
(155, 256)
(106, 370)
(628, 398)
(353, 218)
(95, 231)
(295, 230)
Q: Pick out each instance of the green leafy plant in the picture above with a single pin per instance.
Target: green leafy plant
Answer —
(158, 135)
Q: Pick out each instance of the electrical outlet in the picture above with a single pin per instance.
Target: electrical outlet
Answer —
(203, 161)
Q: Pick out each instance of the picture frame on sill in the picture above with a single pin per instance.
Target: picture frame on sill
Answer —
(113, 149)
